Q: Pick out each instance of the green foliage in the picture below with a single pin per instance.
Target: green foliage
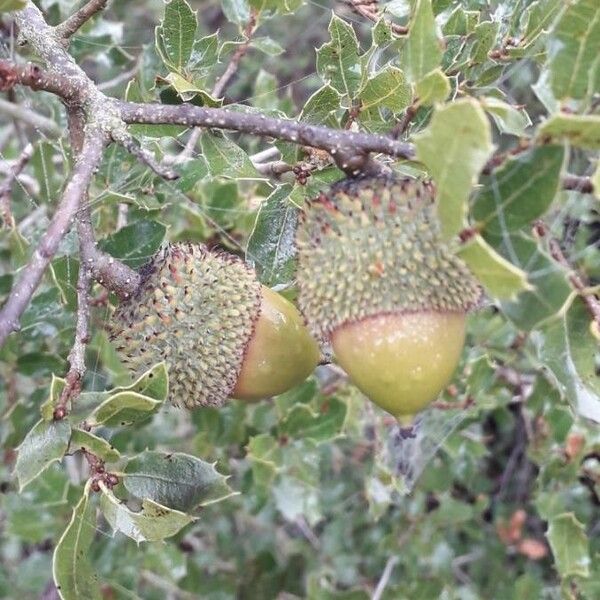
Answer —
(313, 494)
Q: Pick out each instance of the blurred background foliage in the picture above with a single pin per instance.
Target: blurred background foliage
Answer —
(499, 496)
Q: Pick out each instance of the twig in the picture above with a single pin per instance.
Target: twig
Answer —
(43, 124)
(6, 186)
(34, 77)
(332, 140)
(390, 565)
(404, 122)
(145, 156)
(270, 153)
(275, 168)
(71, 25)
(31, 274)
(236, 57)
(577, 183)
(121, 77)
(370, 10)
(577, 281)
(76, 356)
(107, 270)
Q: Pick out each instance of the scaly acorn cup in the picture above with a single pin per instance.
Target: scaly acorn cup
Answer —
(378, 283)
(221, 333)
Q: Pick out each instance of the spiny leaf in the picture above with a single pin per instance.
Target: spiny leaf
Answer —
(151, 524)
(178, 481)
(98, 446)
(175, 35)
(573, 50)
(73, 574)
(568, 347)
(271, 245)
(45, 444)
(338, 62)
(580, 130)
(454, 148)
(387, 88)
(570, 545)
(226, 159)
(500, 278)
(520, 191)
(422, 52)
(304, 422)
(433, 88)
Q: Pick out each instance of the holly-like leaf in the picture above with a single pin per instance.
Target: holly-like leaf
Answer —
(151, 524)
(303, 421)
(388, 89)
(127, 405)
(176, 33)
(321, 105)
(579, 130)
(508, 119)
(539, 17)
(178, 481)
(267, 45)
(226, 159)
(520, 191)
(567, 347)
(236, 11)
(45, 444)
(188, 91)
(84, 440)
(73, 573)
(433, 88)
(124, 408)
(271, 247)
(338, 62)
(454, 148)
(573, 50)
(265, 457)
(500, 278)
(422, 51)
(154, 383)
(570, 545)
(135, 244)
(550, 288)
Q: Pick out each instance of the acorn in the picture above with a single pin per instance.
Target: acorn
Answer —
(378, 284)
(221, 333)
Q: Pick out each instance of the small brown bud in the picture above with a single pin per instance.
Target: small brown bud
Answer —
(60, 412)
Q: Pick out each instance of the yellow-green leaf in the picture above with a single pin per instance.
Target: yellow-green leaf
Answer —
(454, 148)
(500, 278)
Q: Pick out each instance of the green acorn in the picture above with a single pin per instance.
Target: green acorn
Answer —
(220, 331)
(377, 282)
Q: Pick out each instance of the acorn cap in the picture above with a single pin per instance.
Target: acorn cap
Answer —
(196, 310)
(372, 246)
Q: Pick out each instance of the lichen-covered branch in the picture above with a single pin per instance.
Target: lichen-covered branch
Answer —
(61, 222)
(332, 140)
(79, 18)
(107, 270)
(76, 356)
